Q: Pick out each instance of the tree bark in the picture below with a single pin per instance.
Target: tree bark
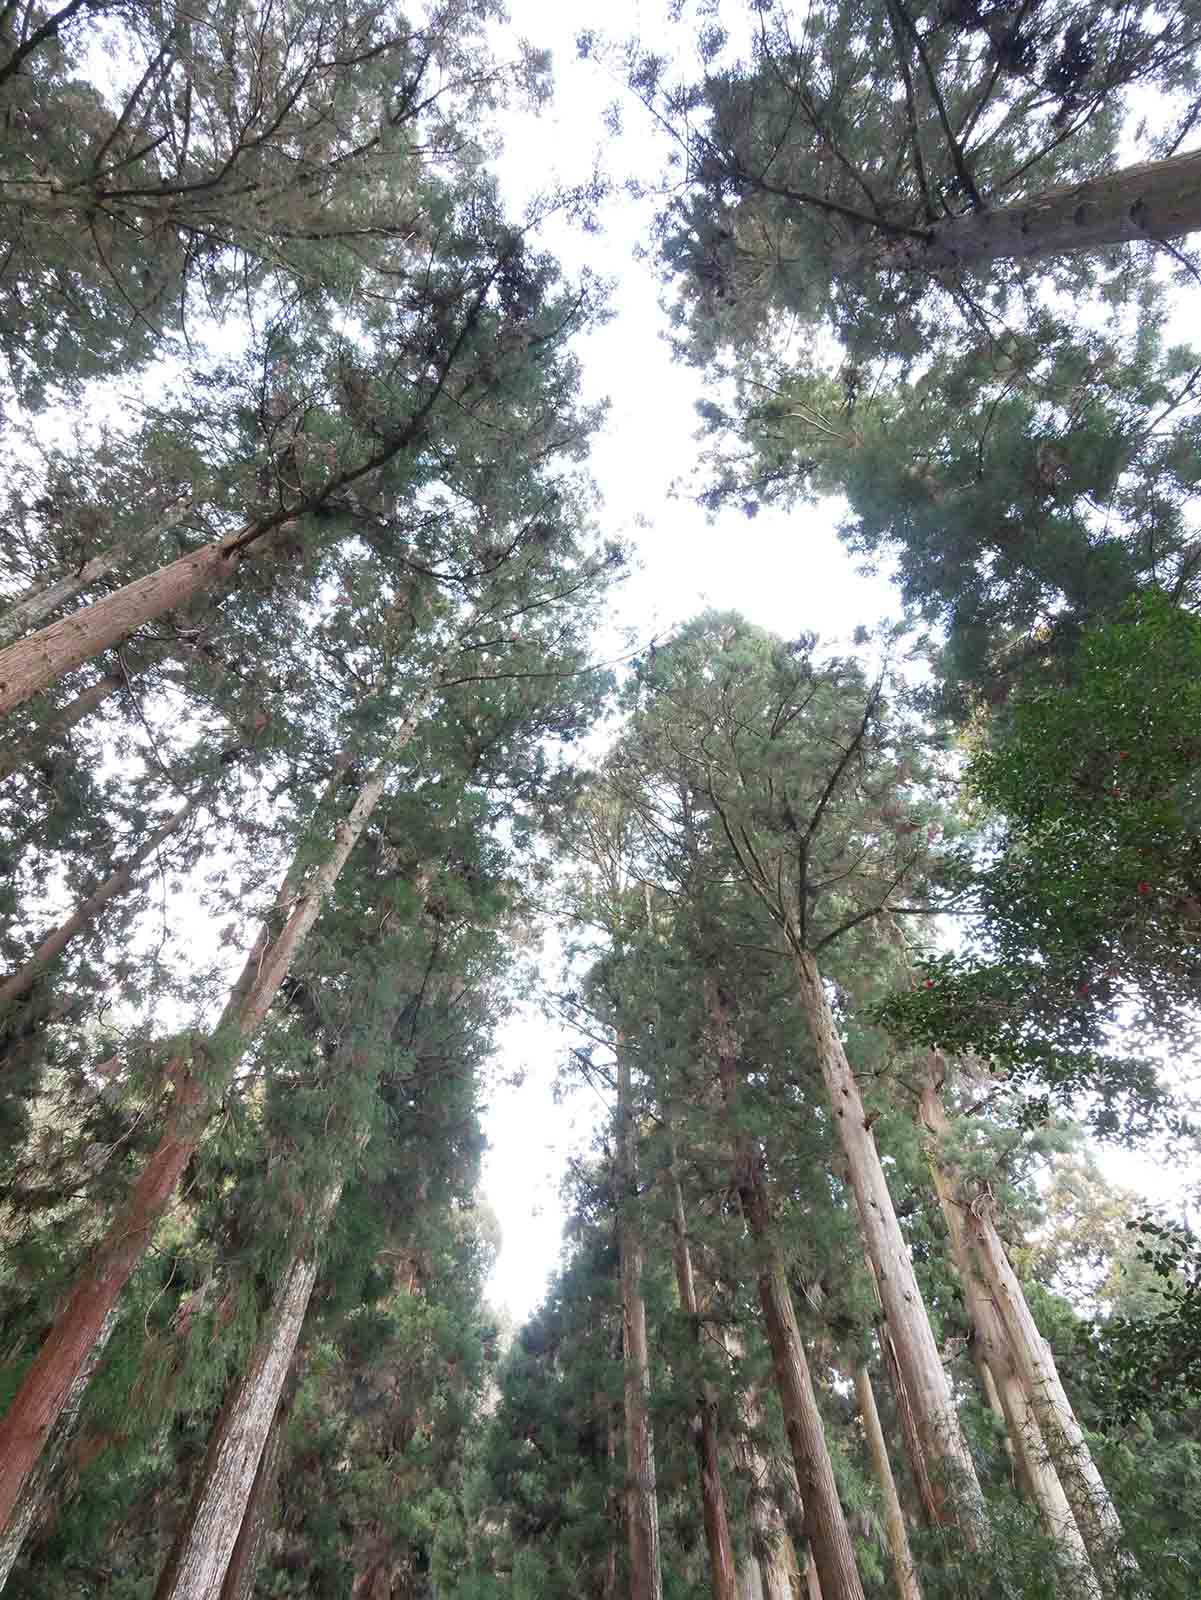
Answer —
(771, 1554)
(1149, 201)
(38, 602)
(200, 1560)
(943, 1445)
(713, 1497)
(908, 1587)
(20, 755)
(39, 1400)
(1036, 1471)
(824, 1524)
(35, 662)
(260, 1512)
(42, 1479)
(19, 984)
(1094, 1512)
(642, 1501)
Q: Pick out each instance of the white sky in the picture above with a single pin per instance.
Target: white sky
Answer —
(787, 572)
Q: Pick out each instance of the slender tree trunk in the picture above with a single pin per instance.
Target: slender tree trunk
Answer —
(1152, 200)
(42, 1479)
(15, 756)
(1095, 1516)
(926, 1384)
(908, 1587)
(37, 603)
(771, 1553)
(825, 1525)
(260, 1512)
(642, 1501)
(18, 985)
(713, 1497)
(1036, 1471)
(199, 1562)
(35, 662)
(39, 1400)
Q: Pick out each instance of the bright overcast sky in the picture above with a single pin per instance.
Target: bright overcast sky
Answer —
(785, 571)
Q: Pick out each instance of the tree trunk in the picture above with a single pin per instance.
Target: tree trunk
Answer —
(41, 1480)
(825, 1526)
(14, 988)
(36, 1406)
(771, 1554)
(1153, 200)
(713, 1497)
(39, 601)
(942, 1441)
(260, 1512)
(1037, 1474)
(20, 755)
(1095, 1516)
(928, 1504)
(35, 662)
(908, 1587)
(642, 1501)
(198, 1564)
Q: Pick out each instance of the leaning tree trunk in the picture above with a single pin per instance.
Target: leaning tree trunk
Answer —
(642, 1501)
(1150, 201)
(44, 1390)
(18, 755)
(1094, 1511)
(18, 984)
(41, 1480)
(35, 662)
(903, 1568)
(198, 1564)
(1035, 1467)
(713, 1496)
(942, 1441)
(825, 1525)
(259, 1516)
(38, 602)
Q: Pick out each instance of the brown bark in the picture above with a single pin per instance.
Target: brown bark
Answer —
(642, 1501)
(1152, 200)
(992, 1344)
(825, 1526)
(18, 985)
(928, 1501)
(260, 1512)
(41, 1481)
(952, 1472)
(198, 1564)
(713, 1496)
(45, 1387)
(34, 663)
(37, 603)
(903, 1568)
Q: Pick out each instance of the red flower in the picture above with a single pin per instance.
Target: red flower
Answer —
(929, 983)
(1123, 755)
(1144, 888)
(1082, 988)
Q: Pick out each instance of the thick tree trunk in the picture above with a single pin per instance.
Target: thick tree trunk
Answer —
(908, 1587)
(260, 1512)
(41, 1480)
(1035, 1469)
(713, 1496)
(199, 1562)
(1153, 200)
(38, 602)
(1094, 1512)
(942, 1441)
(18, 985)
(770, 1554)
(35, 662)
(642, 1500)
(39, 1400)
(929, 1509)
